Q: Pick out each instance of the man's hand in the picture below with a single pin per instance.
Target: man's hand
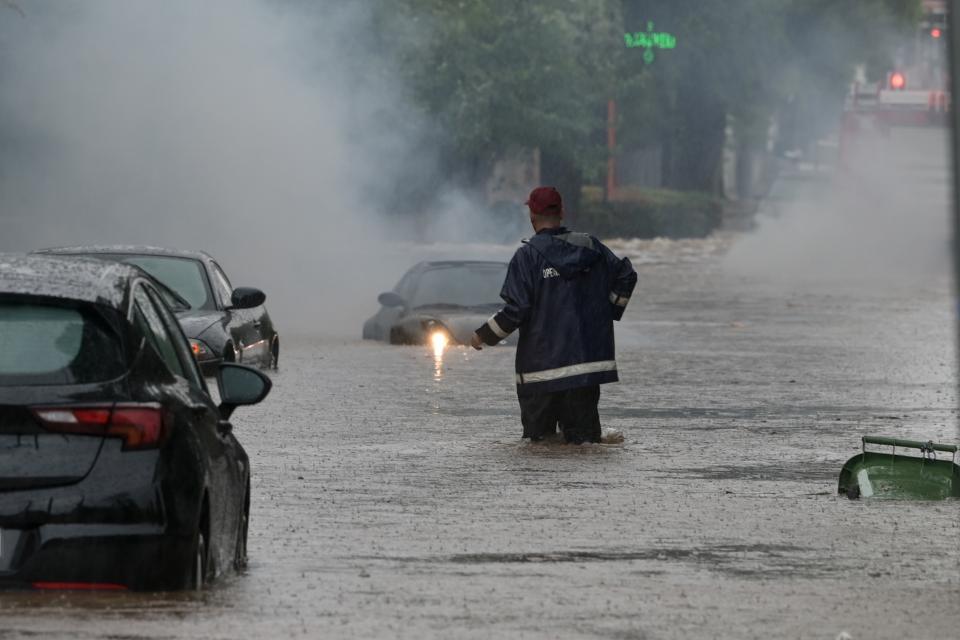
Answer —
(476, 342)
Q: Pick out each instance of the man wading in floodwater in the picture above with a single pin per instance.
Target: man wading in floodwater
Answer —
(563, 291)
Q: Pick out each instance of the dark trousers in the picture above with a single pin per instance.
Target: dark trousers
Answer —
(575, 410)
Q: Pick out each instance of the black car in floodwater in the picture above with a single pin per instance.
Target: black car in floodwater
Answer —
(448, 299)
(117, 468)
(223, 324)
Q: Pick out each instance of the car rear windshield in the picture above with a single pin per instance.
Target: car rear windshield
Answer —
(463, 286)
(185, 276)
(45, 344)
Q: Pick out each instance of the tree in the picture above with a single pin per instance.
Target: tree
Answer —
(497, 75)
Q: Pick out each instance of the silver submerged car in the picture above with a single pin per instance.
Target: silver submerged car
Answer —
(443, 301)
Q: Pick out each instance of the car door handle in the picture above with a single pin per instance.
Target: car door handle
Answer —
(257, 324)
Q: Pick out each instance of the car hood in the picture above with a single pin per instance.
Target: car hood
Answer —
(460, 324)
(195, 322)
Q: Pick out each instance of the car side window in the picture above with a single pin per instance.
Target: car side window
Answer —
(179, 342)
(222, 284)
(156, 333)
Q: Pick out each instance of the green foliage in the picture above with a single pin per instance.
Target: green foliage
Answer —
(650, 213)
(501, 74)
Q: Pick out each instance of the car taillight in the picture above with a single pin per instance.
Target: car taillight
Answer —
(141, 426)
(200, 350)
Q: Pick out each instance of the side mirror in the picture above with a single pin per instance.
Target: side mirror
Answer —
(247, 298)
(240, 385)
(391, 299)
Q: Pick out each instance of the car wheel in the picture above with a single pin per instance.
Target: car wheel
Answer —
(197, 569)
(275, 353)
(240, 559)
(198, 572)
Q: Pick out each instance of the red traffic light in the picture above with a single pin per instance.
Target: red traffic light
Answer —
(897, 81)
(935, 32)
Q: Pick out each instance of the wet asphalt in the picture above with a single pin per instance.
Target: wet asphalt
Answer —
(393, 497)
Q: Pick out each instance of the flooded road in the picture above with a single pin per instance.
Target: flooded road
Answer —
(393, 497)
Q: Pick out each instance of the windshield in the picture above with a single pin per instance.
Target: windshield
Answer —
(461, 285)
(45, 345)
(185, 276)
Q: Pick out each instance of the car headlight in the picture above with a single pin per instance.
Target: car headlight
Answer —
(200, 350)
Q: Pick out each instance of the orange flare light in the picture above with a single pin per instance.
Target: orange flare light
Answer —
(439, 340)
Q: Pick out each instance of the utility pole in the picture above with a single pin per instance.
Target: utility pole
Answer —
(954, 21)
(611, 149)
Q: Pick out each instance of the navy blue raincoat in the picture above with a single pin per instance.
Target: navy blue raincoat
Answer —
(563, 291)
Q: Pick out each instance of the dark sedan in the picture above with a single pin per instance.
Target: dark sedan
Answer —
(223, 324)
(438, 301)
(117, 469)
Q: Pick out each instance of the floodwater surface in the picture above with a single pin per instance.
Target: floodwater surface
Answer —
(393, 496)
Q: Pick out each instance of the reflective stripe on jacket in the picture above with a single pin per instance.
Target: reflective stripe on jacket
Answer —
(563, 291)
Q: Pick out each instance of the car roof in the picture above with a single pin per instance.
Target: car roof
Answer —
(130, 249)
(66, 277)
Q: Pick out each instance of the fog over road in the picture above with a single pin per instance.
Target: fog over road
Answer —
(393, 497)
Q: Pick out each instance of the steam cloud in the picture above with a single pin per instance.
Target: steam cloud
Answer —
(271, 134)
(881, 221)
(265, 133)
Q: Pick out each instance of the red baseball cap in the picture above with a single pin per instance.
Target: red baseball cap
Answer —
(545, 201)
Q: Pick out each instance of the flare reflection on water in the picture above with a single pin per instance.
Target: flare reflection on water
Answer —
(439, 341)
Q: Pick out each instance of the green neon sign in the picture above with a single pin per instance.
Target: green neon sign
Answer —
(649, 40)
